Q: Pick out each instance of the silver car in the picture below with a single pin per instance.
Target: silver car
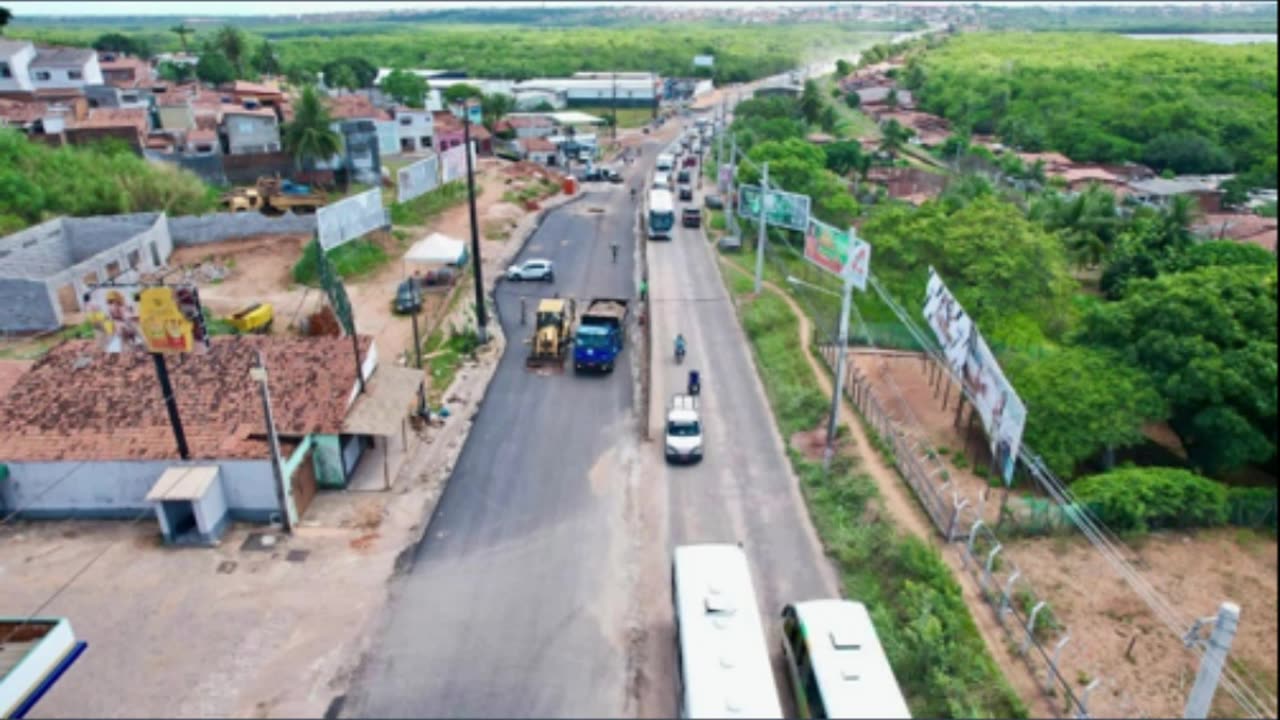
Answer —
(536, 269)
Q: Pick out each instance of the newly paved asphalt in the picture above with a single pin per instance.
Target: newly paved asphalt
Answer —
(541, 586)
(516, 600)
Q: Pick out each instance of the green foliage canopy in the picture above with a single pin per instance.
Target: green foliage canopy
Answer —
(406, 87)
(214, 68)
(1134, 499)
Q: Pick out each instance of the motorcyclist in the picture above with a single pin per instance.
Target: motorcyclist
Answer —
(679, 345)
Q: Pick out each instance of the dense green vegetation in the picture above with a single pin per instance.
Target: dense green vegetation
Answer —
(1136, 500)
(352, 260)
(918, 609)
(1185, 106)
(38, 182)
(1143, 18)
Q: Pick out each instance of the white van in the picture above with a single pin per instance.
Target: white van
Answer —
(665, 163)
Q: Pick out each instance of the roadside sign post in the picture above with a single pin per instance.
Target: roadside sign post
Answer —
(843, 341)
(764, 192)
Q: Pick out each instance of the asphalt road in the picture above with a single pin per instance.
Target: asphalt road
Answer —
(743, 490)
(517, 599)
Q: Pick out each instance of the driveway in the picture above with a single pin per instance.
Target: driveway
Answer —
(517, 599)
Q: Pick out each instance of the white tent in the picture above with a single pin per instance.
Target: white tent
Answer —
(437, 249)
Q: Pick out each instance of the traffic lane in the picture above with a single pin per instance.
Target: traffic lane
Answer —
(743, 489)
(509, 606)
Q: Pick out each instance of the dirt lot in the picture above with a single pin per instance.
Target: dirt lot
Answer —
(1195, 573)
(1103, 614)
(258, 269)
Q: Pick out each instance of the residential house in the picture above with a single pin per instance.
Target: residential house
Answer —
(357, 107)
(111, 96)
(1238, 227)
(15, 65)
(85, 433)
(65, 67)
(878, 96)
(175, 109)
(415, 130)
(130, 125)
(123, 71)
(246, 130)
(539, 150)
(912, 184)
(531, 126)
(199, 141)
(448, 130)
(1158, 192)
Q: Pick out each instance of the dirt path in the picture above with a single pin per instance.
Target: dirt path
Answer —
(908, 515)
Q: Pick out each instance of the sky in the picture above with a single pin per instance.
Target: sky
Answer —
(30, 8)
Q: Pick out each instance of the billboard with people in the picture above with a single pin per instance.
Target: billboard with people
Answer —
(949, 322)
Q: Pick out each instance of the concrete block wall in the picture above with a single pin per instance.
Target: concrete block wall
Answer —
(25, 306)
(201, 229)
(34, 253)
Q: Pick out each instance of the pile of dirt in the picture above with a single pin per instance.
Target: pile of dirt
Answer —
(504, 212)
(206, 272)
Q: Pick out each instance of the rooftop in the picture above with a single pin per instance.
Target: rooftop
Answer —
(80, 403)
(21, 113)
(537, 144)
(252, 88)
(9, 48)
(1179, 185)
(100, 118)
(62, 57)
(354, 107)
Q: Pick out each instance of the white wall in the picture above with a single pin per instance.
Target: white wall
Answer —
(19, 69)
(60, 77)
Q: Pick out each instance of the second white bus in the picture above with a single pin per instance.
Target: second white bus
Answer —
(724, 669)
(660, 220)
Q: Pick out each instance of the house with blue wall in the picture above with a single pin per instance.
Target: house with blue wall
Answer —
(85, 433)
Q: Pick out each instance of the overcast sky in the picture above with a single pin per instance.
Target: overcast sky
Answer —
(28, 8)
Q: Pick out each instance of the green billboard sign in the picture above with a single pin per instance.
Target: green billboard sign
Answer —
(783, 209)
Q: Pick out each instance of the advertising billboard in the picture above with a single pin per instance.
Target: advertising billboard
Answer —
(417, 178)
(783, 209)
(949, 322)
(1002, 412)
(351, 218)
(161, 318)
(839, 252)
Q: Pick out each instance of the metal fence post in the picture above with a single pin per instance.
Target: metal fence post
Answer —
(973, 535)
(955, 516)
(1053, 664)
(1031, 626)
(1084, 697)
(1006, 594)
(991, 559)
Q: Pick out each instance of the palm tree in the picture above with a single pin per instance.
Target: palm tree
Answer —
(1178, 217)
(309, 138)
(182, 31)
(231, 42)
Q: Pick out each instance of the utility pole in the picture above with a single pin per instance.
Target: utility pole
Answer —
(482, 317)
(843, 335)
(1215, 656)
(764, 193)
(259, 374)
(171, 404)
(730, 195)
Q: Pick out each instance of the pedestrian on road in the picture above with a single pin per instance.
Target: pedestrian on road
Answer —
(614, 247)
(644, 290)
(522, 311)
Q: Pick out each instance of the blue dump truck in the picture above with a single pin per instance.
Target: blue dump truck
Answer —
(601, 328)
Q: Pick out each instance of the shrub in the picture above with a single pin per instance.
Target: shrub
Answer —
(1135, 499)
(356, 258)
(1252, 507)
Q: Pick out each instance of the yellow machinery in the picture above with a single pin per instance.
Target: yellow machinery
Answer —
(272, 195)
(552, 333)
(254, 319)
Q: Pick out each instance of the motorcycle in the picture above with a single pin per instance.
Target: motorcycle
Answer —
(679, 353)
(695, 383)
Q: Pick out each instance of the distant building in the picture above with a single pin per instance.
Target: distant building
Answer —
(124, 71)
(1158, 192)
(15, 65)
(415, 129)
(249, 130)
(539, 150)
(65, 67)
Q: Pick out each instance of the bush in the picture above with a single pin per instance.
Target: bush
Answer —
(1136, 500)
(356, 258)
(1252, 507)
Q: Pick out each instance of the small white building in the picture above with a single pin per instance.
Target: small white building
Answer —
(415, 129)
(15, 65)
(62, 67)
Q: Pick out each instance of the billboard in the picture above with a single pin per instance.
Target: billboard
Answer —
(839, 252)
(418, 178)
(1002, 412)
(949, 322)
(725, 179)
(160, 318)
(453, 164)
(784, 209)
(350, 218)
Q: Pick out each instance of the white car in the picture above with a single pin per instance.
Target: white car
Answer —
(532, 270)
(683, 436)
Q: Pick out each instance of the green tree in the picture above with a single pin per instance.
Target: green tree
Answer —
(1151, 240)
(362, 71)
(1217, 253)
(461, 92)
(1186, 152)
(1085, 402)
(811, 102)
(853, 100)
(893, 136)
(232, 44)
(891, 98)
(405, 87)
(843, 157)
(5, 17)
(182, 31)
(121, 43)
(495, 106)
(19, 196)
(343, 78)
(265, 59)
(214, 68)
(309, 137)
(827, 119)
(843, 68)
(1207, 338)
(1088, 223)
(298, 75)
(176, 72)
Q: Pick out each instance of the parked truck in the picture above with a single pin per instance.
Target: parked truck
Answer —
(601, 329)
(272, 195)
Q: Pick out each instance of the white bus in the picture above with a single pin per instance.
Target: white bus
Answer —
(835, 664)
(666, 162)
(661, 216)
(724, 669)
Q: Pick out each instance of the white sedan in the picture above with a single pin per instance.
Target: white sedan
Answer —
(532, 270)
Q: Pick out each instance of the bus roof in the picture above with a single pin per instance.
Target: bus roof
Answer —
(850, 665)
(660, 200)
(722, 645)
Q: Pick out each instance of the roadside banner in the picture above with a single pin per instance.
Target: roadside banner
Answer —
(949, 322)
(418, 178)
(351, 218)
(725, 179)
(783, 209)
(839, 252)
(113, 313)
(1002, 412)
(159, 318)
